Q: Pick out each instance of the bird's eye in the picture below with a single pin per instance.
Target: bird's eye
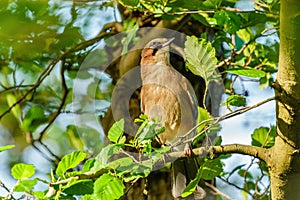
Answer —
(155, 44)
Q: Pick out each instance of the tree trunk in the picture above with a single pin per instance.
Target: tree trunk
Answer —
(285, 158)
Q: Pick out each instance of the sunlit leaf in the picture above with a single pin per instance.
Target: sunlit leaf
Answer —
(108, 187)
(116, 131)
(25, 185)
(120, 163)
(203, 115)
(245, 34)
(88, 164)
(207, 171)
(190, 188)
(69, 161)
(11, 100)
(22, 171)
(104, 155)
(201, 59)
(138, 171)
(129, 2)
(211, 169)
(248, 72)
(264, 136)
(130, 35)
(7, 147)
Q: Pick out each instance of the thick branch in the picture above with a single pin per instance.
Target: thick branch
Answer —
(257, 152)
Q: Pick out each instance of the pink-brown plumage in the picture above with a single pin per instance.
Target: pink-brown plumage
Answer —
(168, 95)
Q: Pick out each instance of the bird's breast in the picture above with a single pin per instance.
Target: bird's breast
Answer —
(166, 94)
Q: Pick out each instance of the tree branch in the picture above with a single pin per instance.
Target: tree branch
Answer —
(65, 92)
(217, 191)
(257, 152)
(60, 57)
(213, 121)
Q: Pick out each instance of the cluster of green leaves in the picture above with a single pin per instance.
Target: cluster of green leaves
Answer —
(106, 175)
(33, 35)
(249, 53)
(47, 29)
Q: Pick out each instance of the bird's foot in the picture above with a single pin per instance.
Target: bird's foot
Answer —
(187, 151)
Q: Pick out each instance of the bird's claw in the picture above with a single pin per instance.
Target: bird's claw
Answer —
(187, 151)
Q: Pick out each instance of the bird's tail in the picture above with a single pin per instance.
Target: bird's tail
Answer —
(182, 172)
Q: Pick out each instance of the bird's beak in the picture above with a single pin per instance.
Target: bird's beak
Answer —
(168, 42)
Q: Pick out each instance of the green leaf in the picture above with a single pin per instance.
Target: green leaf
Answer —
(235, 169)
(149, 130)
(80, 187)
(34, 118)
(69, 161)
(6, 147)
(201, 59)
(129, 170)
(217, 141)
(25, 185)
(108, 187)
(11, 100)
(207, 171)
(212, 4)
(129, 2)
(244, 173)
(202, 116)
(22, 171)
(120, 163)
(116, 131)
(230, 21)
(132, 28)
(138, 171)
(236, 100)
(245, 34)
(264, 137)
(201, 18)
(248, 72)
(74, 137)
(211, 169)
(104, 155)
(88, 165)
(190, 188)
(39, 195)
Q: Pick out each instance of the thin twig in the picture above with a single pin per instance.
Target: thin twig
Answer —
(65, 92)
(205, 96)
(217, 191)
(131, 186)
(216, 120)
(52, 65)
(41, 152)
(127, 154)
(212, 11)
(234, 185)
(9, 195)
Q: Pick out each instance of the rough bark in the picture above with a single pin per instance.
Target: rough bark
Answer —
(285, 157)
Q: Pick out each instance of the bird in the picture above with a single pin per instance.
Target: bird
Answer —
(169, 96)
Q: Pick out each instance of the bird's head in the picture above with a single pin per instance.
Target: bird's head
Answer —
(157, 51)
